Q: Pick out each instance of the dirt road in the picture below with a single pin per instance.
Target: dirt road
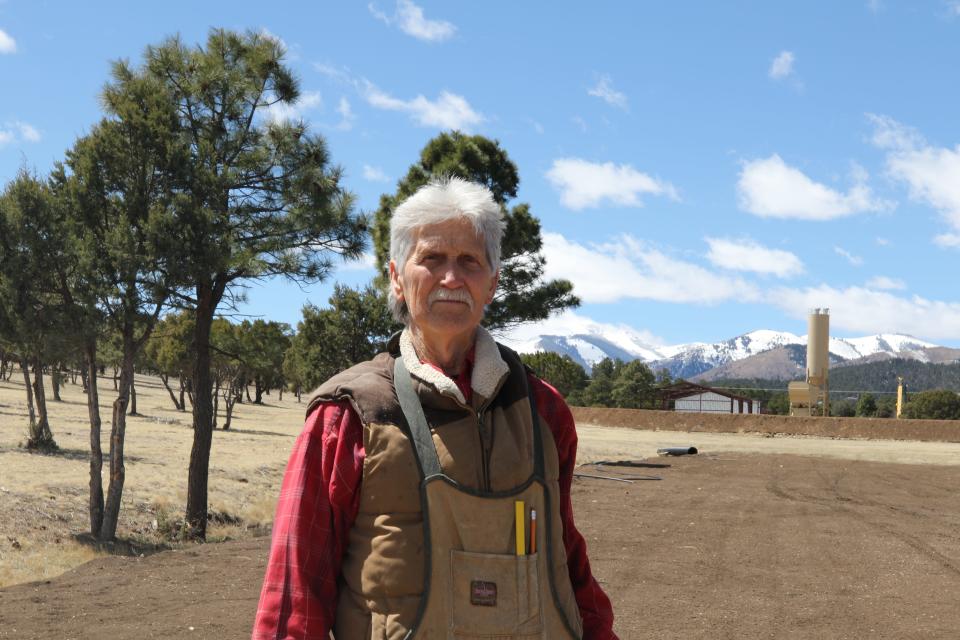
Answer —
(729, 544)
(600, 443)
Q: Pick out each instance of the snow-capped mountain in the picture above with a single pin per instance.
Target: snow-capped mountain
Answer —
(587, 342)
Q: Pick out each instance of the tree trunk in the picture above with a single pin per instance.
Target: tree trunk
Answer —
(258, 388)
(280, 394)
(230, 401)
(196, 515)
(84, 377)
(115, 380)
(40, 434)
(29, 387)
(118, 426)
(166, 383)
(96, 454)
(183, 388)
(299, 393)
(133, 396)
(216, 402)
(55, 382)
(246, 389)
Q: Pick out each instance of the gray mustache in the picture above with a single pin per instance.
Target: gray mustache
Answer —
(454, 295)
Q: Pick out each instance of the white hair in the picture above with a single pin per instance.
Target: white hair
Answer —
(438, 201)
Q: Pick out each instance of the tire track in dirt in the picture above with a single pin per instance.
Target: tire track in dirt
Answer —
(853, 505)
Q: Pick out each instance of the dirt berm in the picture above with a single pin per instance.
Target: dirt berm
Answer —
(833, 427)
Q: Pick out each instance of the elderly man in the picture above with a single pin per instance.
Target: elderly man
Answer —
(429, 493)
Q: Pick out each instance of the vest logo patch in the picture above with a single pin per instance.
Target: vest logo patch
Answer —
(483, 593)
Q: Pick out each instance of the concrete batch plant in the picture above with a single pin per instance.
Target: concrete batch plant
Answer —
(806, 397)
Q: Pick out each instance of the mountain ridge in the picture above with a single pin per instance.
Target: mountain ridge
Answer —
(739, 356)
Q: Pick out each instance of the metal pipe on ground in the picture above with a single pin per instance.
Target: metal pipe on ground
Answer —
(677, 451)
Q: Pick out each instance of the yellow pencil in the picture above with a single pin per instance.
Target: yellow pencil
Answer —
(521, 529)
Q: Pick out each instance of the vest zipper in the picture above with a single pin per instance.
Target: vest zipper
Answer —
(486, 444)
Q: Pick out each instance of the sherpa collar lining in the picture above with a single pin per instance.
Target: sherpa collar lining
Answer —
(489, 367)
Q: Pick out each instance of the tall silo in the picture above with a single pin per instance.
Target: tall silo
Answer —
(818, 355)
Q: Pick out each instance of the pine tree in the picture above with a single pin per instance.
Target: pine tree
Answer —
(522, 294)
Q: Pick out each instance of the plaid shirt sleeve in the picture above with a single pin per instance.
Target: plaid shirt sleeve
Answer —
(316, 509)
(594, 605)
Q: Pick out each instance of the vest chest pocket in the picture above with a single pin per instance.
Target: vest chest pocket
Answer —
(495, 596)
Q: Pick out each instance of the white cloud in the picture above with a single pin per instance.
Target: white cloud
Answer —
(852, 259)
(346, 114)
(18, 131)
(409, 17)
(605, 91)
(366, 262)
(883, 242)
(782, 65)
(772, 189)
(585, 184)
(27, 132)
(627, 268)
(449, 111)
(378, 14)
(953, 6)
(537, 126)
(747, 255)
(341, 74)
(580, 122)
(932, 174)
(7, 43)
(885, 283)
(947, 240)
(875, 6)
(374, 174)
(284, 112)
(868, 311)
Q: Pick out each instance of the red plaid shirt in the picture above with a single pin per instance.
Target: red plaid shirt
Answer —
(318, 505)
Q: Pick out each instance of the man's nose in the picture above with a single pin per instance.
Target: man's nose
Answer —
(452, 275)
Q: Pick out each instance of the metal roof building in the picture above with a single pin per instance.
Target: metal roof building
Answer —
(694, 398)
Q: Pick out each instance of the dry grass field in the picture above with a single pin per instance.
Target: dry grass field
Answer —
(43, 498)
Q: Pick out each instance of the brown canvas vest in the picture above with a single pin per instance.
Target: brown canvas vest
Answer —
(432, 553)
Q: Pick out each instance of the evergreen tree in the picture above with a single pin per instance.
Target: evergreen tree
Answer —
(867, 406)
(32, 321)
(263, 345)
(522, 294)
(634, 387)
(938, 404)
(256, 199)
(599, 391)
(168, 354)
(354, 328)
(560, 371)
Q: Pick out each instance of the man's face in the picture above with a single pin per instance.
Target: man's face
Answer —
(446, 281)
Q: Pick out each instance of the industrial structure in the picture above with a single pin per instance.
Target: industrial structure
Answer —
(694, 398)
(812, 396)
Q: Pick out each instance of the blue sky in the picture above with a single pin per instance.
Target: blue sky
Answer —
(700, 169)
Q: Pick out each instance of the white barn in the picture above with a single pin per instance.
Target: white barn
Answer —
(694, 398)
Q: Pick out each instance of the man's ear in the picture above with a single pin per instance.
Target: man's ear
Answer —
(493, 287)
(395, 282)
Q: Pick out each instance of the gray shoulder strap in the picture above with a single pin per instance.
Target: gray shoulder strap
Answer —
(419, 429)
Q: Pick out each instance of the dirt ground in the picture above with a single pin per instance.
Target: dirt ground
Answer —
(727, 545)
(755, 537)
